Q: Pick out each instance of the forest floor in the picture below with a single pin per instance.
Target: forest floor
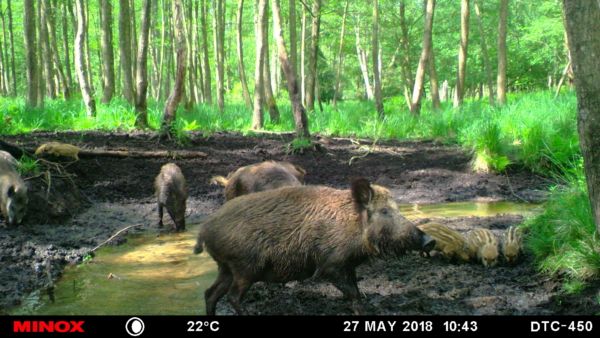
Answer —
(119, 192)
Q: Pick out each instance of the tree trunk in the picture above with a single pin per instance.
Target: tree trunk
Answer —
(269, 97)
(193, 36)
(485, 55)
(569, 73)
(376, 61)
(583, 25)
(141, 75)
(41, 84)
(340, 60)
(314, 47)
(257, 117)
(3, 59)
(501, 79)
(66, 90)
(198, 56)
(133, 38)
(190, 98)
(67, 50)
(462, 53)
(363, 63)
(433, 81)
(205, 64)
(30, 53)
(161, 55)
(12, 48)
(45, 50)
(177, 92)
(5, 63)
(300, 119)
(293, 43)
(415, 105)
(240, 55)
(125, 50)
(406, 62)
(302, 57)
(88, 58)
(219, 35)
(108, 64)
(86, 93)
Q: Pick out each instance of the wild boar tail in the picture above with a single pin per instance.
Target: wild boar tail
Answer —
(199, 247)
(219, 180)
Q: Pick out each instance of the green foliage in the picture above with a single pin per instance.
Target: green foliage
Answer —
(563, 238)
(28, 166)
(87, 258)
(533, 129)
(299, 144)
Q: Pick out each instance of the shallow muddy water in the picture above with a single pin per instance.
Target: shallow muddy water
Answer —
(157, 274)
(150, 274)
(468, 209)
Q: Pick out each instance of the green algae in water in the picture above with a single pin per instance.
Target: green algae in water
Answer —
(468, 209)
(148, 275)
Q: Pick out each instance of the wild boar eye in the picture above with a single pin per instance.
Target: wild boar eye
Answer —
(385, 211)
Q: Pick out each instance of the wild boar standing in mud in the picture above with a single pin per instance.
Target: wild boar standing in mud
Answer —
(449, 242)
(511, 245)
(260, 177)
(483, 246)
(171, 193)
(293, 233)
(13, 192)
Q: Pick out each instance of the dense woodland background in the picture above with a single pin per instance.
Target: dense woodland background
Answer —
(338, 41)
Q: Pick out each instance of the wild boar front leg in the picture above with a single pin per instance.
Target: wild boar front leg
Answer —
(345, 281)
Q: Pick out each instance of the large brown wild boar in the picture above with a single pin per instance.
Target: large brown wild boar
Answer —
(171, 193)
(13, 193)
(293, 233)
(260, 177)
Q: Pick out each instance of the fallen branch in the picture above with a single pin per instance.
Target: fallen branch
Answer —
(174, 154)
(115, 235)
(142, 154)
(367, 150)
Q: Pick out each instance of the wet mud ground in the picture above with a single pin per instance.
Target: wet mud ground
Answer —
(120, 193)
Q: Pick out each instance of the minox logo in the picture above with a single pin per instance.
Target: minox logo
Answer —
(60, 326)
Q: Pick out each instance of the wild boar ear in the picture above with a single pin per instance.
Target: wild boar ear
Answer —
(362, 193)
(11, 191)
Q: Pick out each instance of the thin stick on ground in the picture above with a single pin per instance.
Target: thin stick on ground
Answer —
(115, 235)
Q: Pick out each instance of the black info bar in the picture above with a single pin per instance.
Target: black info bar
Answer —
(200, 326)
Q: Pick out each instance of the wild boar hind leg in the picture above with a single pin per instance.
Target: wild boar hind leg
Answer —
(238, 289)
(217, 290)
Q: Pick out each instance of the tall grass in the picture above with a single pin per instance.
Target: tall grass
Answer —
(532, 128)
(563, 238)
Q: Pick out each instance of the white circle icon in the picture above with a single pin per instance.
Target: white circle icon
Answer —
(134, 326)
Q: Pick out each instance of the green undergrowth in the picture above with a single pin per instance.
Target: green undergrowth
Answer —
(529, 130)
(563, 238)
